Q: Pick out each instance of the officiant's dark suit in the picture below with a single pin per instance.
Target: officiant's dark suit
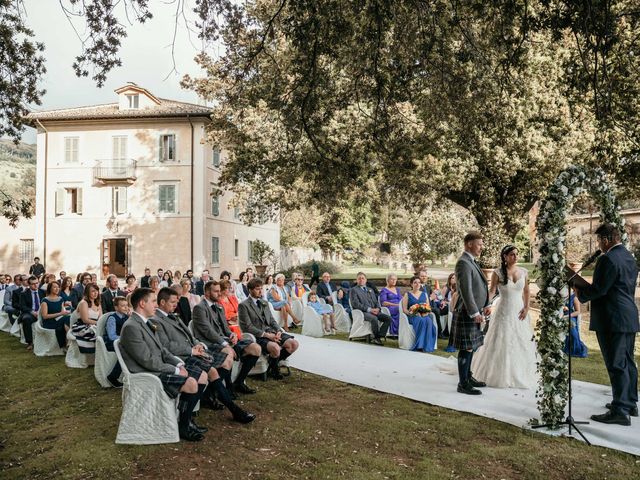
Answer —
(614, 318)
(473, 298)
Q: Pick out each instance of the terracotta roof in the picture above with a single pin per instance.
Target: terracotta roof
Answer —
(167, 108)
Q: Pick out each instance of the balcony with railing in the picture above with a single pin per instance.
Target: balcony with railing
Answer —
(115, 171)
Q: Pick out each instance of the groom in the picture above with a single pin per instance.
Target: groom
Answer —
(473, 301)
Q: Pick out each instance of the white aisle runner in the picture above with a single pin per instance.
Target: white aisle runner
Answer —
(417, 376)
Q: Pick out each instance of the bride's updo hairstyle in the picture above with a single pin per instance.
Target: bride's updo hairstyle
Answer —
(503, 263)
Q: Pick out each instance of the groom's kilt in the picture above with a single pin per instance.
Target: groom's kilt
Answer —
(466, 334)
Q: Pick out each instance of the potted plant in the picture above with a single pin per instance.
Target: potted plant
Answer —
(261, 253)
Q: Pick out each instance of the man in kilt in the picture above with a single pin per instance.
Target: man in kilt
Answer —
(142, 351)
(211, 327)
(472, 304)
(179, 341)
(255, 318)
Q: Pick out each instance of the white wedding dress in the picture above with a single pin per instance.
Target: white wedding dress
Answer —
(508, 357)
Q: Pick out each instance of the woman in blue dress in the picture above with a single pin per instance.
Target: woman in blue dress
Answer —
(578, 348)
(423, 325)
(54, 313)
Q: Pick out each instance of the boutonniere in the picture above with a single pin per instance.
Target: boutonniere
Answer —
(153, 326)
(262, 302)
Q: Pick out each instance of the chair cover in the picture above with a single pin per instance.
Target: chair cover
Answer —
(74, 358)
(5, 324)
(16, 330)
(406, 334)
(276, 315)
(297, 307)
(104, 359)
(149, 416)
(312, 325)
(360, 327)
(343, 322)
(45, 343)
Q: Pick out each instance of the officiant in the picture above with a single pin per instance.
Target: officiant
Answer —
(614, 318)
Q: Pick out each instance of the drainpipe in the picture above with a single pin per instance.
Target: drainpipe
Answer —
(46, 172)
(192, 171)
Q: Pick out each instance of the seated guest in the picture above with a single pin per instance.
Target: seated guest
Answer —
(390, 297)
(229, 304)
(369, 285)
(78, 290)
(299, 288)
(112, 291)
(186, 301)
(268, 285)
(142, 352)
(577, 346)
(344, 298)
(154, 284)
(160, 274)
(432, 297)
(177, 276)
(255, 318)
(326, 288)
(281, 301)
(445, 305)
(325, 311)
(62, 276)
(7, 303)
(130, 284)
(189, 275)
(89, 311)
(55, 315)
(113, 328)
(423, 324)
(167, 279)
(66, 290)
(47, 278)
(94, 278)
(144, 280)
(29, 306)
(210, 326)
(16, 296)
(204, 278)
(177, 338)
(37, 269)
(363, 298)
(242, 291)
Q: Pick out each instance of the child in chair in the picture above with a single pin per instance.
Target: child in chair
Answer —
(325, 311)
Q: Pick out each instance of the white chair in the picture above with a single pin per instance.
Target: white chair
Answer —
(276, 315)
(312, 325)
(5, 324)
(74, 358)
(386, 311)
(360, 328)
(297, 307)
(16, 329)
(104, 359)
(45, 343)
(305, 298)
(149, 416)
(406, 334)
(343, 321)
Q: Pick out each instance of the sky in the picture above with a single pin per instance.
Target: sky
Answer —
(145, 54)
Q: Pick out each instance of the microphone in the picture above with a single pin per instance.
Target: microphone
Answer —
(591, 259)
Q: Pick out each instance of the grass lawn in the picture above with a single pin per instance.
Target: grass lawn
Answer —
(57, 422)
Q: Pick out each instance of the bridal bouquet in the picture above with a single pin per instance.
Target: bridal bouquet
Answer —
(421, 309)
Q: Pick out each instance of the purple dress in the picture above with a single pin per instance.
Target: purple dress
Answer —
(387, 295)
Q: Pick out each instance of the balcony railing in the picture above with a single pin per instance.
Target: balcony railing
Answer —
(115, 171)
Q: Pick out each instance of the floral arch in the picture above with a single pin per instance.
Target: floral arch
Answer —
(552, 327)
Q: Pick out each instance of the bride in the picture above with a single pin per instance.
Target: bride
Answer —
(508, 356)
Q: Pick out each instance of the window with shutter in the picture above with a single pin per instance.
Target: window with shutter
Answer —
(71, 149)
(215, 201)
(215, 250)
(216, 157)
(250, 250)
(167, 148)
(236, 248)
(122, 200)
(60, 197)
(167, 198)
(78, 201)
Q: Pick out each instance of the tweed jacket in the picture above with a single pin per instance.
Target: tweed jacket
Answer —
(256, 320)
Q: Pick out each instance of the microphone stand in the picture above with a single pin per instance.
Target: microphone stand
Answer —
(569, 421)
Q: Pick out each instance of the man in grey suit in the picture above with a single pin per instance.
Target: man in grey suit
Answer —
(211, 327)
(142, 351)
(179, 341)
(363, 298)
(255, 318)
(473, 301)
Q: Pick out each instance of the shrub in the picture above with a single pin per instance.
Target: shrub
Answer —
(305, 269)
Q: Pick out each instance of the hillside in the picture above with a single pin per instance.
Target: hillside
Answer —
(18, 167)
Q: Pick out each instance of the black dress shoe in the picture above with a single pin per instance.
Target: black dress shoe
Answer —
(293, 326)
(115, 383)
(476, 383)
(376, 341)
(190, 434)
(468, 389)
(197, 427)
(243, 388)
(612, 418)
(241, 416)
(275, 373)
(633, 412)
(210, 404)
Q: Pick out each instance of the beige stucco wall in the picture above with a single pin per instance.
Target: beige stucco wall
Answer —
(73, 241)
(10, 261)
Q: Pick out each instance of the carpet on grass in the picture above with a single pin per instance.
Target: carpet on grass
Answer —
(420, 377)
